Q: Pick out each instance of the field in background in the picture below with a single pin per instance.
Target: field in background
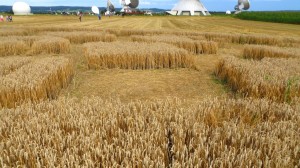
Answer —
(207, 24)
(278, 17)
(149, 92)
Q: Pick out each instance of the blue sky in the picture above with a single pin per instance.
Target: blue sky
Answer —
(212, 5)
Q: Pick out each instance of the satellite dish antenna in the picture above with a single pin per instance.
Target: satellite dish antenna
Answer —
(127, 4)
(134, 3)
(242, 5)
(110, 8)
(95, 10)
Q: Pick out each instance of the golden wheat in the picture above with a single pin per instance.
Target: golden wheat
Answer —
(20, 45)
(11, 46)
(10, 64)
(133, 55)
(115, 31)
(97, 133)
(80, 37)
(128, 32)
(92, 132)
(51, 45)
(42, 29)
(259, 52)
(215, 36)
(276, 79)
(198, 47)
(38, 80)
(247, 39)
(7, 31)
(28, 40)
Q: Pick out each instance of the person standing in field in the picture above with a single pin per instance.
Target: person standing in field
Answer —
(1, 18)
(80, 16)
(9, 18)
(99, 16)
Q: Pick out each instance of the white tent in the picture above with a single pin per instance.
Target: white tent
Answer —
(189, 7)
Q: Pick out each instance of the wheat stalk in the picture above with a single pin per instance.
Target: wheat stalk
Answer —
(132, 55)
(259, 52)
(10, 64)
(55, 45)
(11, 46)
(97, 133)
(80, 37)
(276, 79)
(37, 80)
(197, 47)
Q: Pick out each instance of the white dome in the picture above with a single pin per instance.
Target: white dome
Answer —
(190, 7)
(21, 8)
(228, 12)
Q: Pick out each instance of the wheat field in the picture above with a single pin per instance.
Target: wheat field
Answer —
(107, 133)
(149, 92)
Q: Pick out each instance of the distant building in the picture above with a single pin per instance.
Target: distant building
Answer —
(21, 8)
(189, 8)
(228, 12)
